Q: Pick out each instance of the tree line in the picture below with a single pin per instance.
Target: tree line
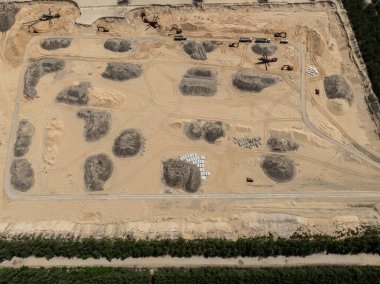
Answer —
(119, 248)
(95, 275)
(365, 21)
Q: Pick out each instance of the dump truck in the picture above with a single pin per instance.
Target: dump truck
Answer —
(262, 40)
(245, 39)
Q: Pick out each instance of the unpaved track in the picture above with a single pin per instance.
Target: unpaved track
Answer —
(168, 261)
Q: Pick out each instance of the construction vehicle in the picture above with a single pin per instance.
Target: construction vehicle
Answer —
(317, 91)
(287, 67)
(280, 34)
(176, 29)
(265, 60)
(234, 44)
(45, 17)
(245, 39)
(180, 37)
(262, 40)
(284, 41)
(150, 23)
(249, 179)
(102, 29)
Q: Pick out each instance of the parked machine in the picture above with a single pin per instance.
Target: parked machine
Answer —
(287, 67)
(280, 34)
(176, 30)
(102, 29)
(265, 60)
(180, 37)
(245, 39)
(234, 44)
(150, 23)
(45, 17)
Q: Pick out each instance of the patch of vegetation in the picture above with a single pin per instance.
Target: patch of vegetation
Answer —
(368, 242)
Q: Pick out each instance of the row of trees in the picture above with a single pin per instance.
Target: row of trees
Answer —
(94, 275)
(124, 248)
(365, 20)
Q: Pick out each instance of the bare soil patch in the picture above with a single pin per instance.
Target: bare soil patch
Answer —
(198, 50)
(254, 83)
(129, 143)
(336, 87)
(213, 130)
(122, 71)
(117, 44)
(279, 168)
(264, 49)
(281, 144)
(55, 43)
(75, 94)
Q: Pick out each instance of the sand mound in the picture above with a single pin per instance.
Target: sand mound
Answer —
(97, 123)
(122, 71)
(262, 49)
(254, 83)
(181, 174)
(117, 44)
(38, 69)
(336, 87)
(7, 16)
(128, 143)
(338, 106)
(213, 130)
(75, 94)
(105, 98)
(279, 168)
(55, 43)
(281, 144)
(24, 137)
(199, 82)
(22, 174)
(54, 129)
(97, 170)
(198, 50)
(194, 130)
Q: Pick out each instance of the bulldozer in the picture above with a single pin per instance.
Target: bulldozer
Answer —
(287, 67)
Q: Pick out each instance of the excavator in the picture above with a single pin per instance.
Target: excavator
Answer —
(176, 29)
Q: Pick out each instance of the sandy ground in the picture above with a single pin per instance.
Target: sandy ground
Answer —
(167, 261)
(135, 201)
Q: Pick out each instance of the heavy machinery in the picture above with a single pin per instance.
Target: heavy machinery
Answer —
(102, 29)
(265, 60)
(249, 179)
(280, 34)
(287, 67)
(176, 29)
(150, 23)
(234, 44)
(45, 17)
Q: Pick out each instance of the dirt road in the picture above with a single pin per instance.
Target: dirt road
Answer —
(167, 261)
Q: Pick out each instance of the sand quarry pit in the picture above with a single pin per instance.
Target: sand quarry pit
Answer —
(149, 142)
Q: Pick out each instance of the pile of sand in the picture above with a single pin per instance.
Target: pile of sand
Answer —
(38, 69)
(75, 94)
(281, 144)
(97, 123)
(279, 168)
(264, 49)
(24, 137)
(117, 44)
(181, 174)
(251, 82)
(129, 143)
(338, 106)
(198, 50)
(336, 87)
(55, 43)
(7, 16)
(97, 170)
(199, 82)
(208, 130)
(22, 174)
(122, 71)
(54, 129)
(194, 130)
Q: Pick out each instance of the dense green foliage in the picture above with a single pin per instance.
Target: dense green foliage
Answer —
(93, 275)
(365, 20)
(90, 275)
(123, 248)
(310, 275)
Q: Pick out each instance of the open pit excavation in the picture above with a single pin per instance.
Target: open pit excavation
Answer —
(229, 120)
